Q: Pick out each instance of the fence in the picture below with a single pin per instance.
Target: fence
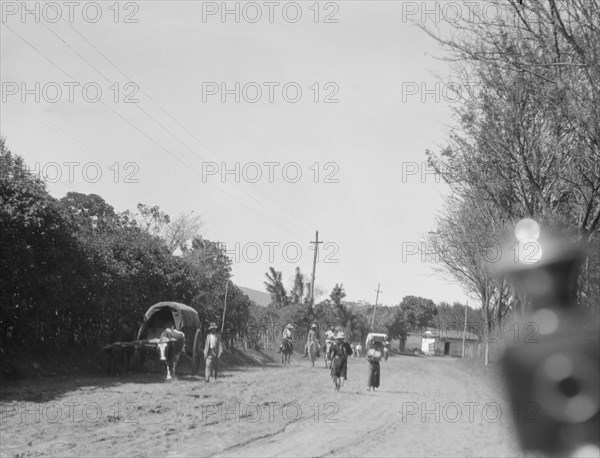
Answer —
(270, 338)
(476, 350)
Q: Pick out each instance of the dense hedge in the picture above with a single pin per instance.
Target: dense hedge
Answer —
(74, 272)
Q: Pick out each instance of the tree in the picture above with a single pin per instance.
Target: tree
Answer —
(152, 219)
(182, 229)
(528, 142)
(464, 245)
(397, 328)
(274, 286)
(210, 266)
(336, 296)
(73, 270)
(384, 317)
(417, 312)
(298, 288)
(39, 255)
(453, 317)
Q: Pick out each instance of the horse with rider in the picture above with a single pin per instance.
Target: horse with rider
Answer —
(287, 344)
(312, 347)
(329, 339)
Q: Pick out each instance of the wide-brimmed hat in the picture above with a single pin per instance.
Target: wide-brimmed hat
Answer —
(213, 326)
(289, 326)
(340, 335)
(313, 326)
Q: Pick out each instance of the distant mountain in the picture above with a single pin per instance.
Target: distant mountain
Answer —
(259, 297)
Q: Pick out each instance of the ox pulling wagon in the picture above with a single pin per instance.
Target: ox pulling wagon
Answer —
(171, 329)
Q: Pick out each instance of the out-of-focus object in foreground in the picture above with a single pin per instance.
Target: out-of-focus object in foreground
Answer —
(554, 381)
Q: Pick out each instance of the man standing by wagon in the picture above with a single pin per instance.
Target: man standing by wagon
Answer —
(212, 352)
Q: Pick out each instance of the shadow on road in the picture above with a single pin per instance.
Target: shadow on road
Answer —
(44, 386)
(396, 392)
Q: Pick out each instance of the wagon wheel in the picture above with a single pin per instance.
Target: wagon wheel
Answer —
(197, 352)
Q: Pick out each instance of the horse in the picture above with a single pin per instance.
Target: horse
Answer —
(312, 352)
(326, 354)
(287, 349)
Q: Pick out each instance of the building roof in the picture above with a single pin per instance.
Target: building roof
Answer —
(445, 335)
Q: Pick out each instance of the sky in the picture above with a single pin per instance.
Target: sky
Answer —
(271, 122)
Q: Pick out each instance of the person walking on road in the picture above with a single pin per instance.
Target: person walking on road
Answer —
(339, 352)
(374, 355)
(213, 349)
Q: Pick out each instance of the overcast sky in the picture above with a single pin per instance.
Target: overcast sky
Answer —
(169, 147)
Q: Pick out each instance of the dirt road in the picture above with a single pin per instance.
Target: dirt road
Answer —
(424, 407)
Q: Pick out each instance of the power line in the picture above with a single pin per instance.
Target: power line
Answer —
(94, 153)
(148, 137)
(159, 106)
(148, 115)
(108, 81)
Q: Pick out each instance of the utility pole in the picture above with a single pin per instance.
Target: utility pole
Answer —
(375, 308)
(225, 306)
(312, 286)
(465, 329)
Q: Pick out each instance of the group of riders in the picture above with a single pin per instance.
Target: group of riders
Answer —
(337, 350)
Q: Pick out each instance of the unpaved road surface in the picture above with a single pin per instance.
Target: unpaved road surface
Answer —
(424, 407)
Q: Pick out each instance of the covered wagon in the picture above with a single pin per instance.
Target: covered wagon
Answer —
(175, 315)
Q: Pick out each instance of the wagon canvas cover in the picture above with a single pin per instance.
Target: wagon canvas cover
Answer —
(183, 315)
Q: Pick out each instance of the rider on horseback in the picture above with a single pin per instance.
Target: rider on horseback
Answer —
(329, 338)
(287, 336)
(329, 335)
(312, 337)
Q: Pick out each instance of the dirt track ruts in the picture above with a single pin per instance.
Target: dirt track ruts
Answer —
(300, 414)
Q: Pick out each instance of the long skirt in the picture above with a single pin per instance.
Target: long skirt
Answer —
(339, 367)
(374, 372)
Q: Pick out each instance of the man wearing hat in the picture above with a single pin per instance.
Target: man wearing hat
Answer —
(287, 335)
(312, 337)
(329, 336)
(339, 352)
(212, 352)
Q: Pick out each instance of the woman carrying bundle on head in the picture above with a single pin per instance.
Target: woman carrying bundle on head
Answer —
(374, 355)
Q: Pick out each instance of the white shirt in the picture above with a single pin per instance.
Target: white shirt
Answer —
(212, 341)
